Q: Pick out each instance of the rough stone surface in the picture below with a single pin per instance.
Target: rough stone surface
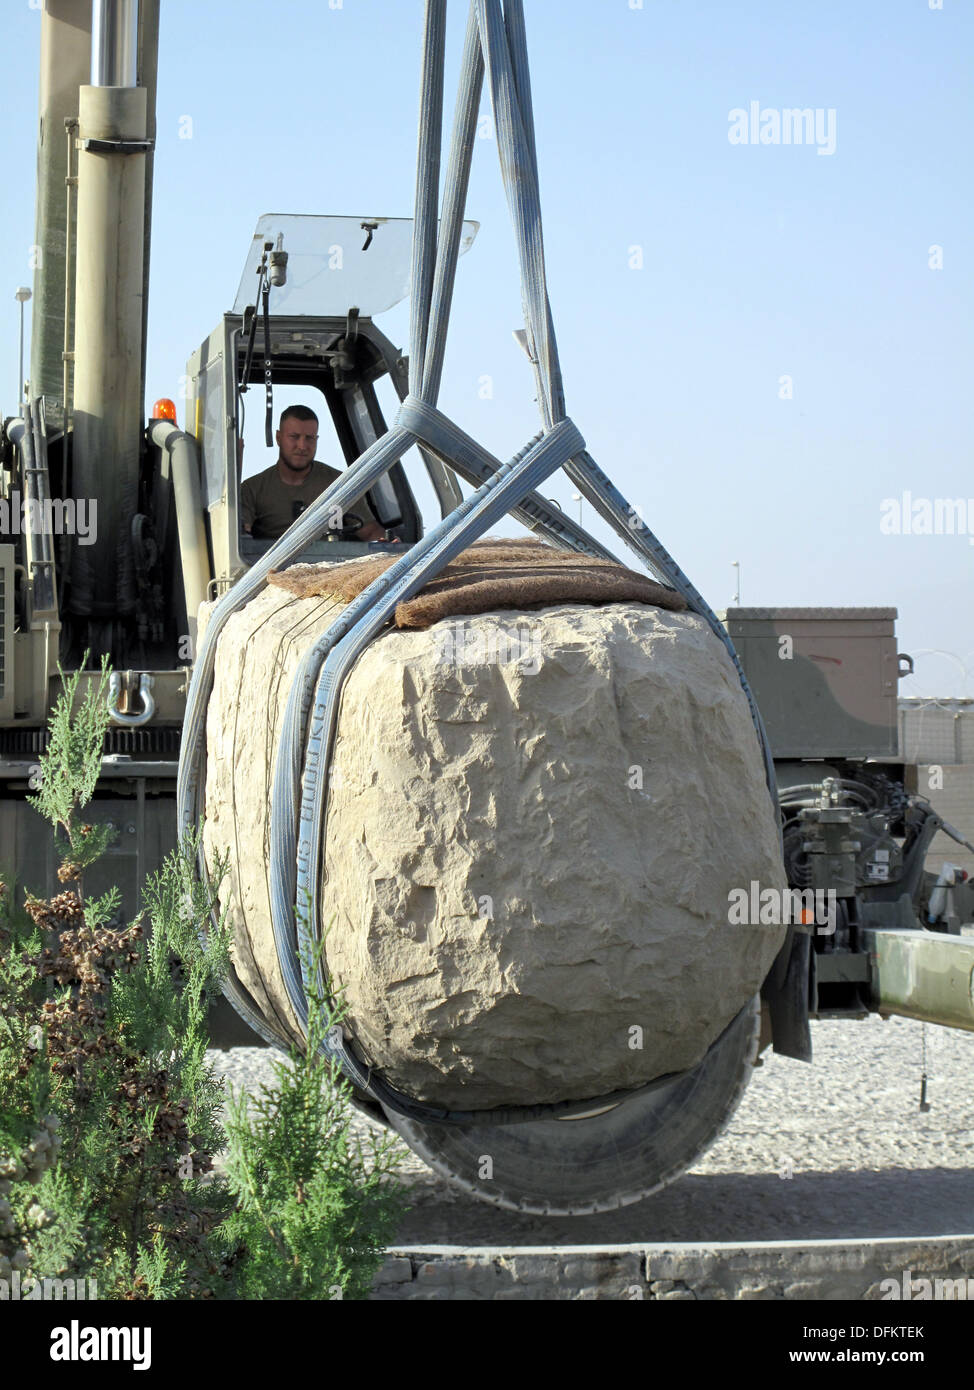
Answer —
(535, 825)
(397, 1269)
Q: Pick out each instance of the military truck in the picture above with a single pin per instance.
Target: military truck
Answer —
(827, 680)
(169, 536)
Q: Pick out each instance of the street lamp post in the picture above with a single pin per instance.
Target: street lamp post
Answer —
(736, 565)
(577, 497)
(22, 296)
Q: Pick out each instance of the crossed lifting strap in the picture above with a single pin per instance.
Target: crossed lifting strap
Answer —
(495, 46)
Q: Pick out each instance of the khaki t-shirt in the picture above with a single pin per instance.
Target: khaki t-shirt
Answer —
(269, 506)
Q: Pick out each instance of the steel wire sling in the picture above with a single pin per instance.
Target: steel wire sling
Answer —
(495, 47)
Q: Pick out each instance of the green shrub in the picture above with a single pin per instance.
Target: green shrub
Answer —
(314, 1211)
(111, 1115)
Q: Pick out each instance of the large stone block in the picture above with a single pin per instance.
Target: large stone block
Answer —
(535, 822)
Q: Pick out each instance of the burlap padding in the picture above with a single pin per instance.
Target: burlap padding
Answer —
(490, 574)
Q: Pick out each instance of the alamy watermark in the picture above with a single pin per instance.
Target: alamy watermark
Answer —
(789, 125)
(755, 906)
(483, 646)
(18, 1290)
(55, 516)
(77, 1343)
(914, 1290)
(907, 515)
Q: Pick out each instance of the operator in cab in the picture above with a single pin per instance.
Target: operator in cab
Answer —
(273, 500)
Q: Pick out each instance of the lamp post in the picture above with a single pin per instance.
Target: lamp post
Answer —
(22, 296)
(736, 564)
(577, 497)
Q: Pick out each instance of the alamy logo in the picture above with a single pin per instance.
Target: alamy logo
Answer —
(16, 1290)
(915, 1290)
(55, 516)
(907, 515)
(466, 646)
(791, 125)
(755, 906)
(77, 1343)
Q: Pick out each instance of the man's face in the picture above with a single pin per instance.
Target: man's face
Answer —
(297, 441)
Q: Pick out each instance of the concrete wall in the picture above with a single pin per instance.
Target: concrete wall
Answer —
(775, 1270)
(936, 731)
(950, 790)
(937, 740)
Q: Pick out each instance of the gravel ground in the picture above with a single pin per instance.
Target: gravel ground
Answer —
(836, 1149)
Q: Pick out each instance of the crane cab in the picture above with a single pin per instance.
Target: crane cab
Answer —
(320, 330)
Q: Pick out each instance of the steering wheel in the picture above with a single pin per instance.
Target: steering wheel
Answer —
(345, 532)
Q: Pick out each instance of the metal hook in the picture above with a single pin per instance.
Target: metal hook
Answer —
(145, 695)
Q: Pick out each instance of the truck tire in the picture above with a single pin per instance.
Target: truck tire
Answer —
(607, 1159)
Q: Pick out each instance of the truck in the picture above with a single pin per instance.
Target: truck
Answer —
(169, 537)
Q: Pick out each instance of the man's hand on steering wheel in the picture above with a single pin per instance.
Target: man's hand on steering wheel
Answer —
(352, 523)
(353, 526)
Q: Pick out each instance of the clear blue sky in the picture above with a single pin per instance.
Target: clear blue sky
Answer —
(759, 261)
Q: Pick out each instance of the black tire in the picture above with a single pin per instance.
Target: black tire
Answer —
(572, 1167)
